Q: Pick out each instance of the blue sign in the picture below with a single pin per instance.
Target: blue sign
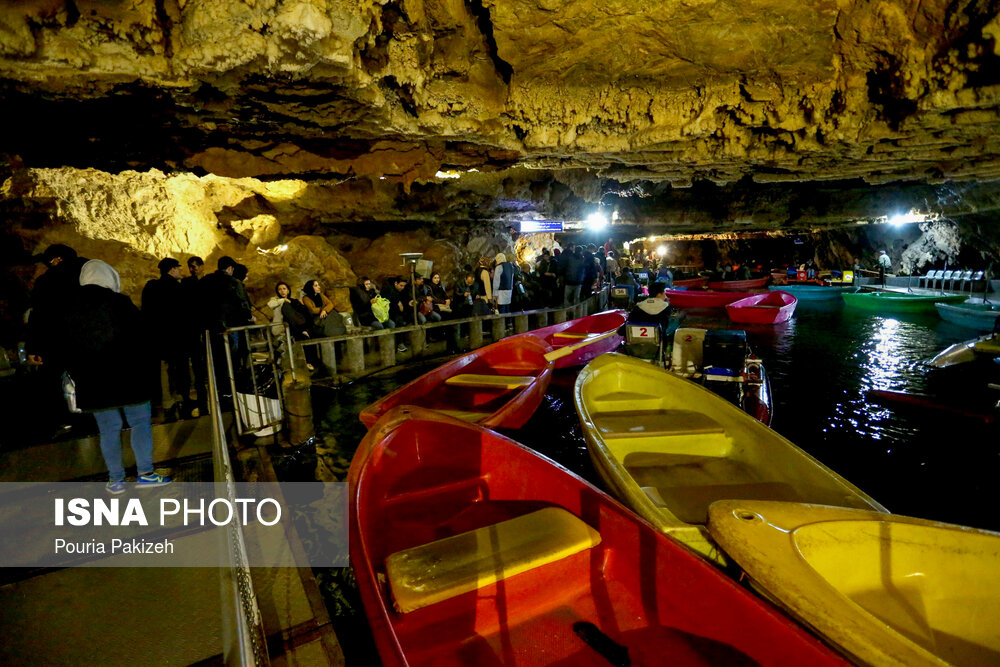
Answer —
(536, 226)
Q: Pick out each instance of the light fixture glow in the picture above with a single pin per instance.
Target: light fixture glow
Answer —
(597, 220)
(451, 173)
(899, 219)
(661, 251)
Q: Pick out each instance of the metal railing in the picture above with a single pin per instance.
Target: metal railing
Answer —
(344, 356)
(250, 350)
(243, 641)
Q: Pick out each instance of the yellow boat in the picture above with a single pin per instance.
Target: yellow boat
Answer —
(669, 448)
(885, 589)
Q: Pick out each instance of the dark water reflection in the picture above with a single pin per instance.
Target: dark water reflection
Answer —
(822, 363)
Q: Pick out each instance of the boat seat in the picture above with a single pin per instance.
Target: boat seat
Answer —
(443, 569)
(472, 416)
(690, 503)
(490, 381)
(654, 423)
(925, 281)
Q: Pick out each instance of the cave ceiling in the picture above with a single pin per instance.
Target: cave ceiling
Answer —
(687, 115)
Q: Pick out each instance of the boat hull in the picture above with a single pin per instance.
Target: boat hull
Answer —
(421, 477)
(702, 299)
(928, 404)
(890, 302)
(691, 282)
(753, 283)
(967, 351)
(885, 589)
(810, 292)
(520, 356)
(576, 331)
(981, 317)
(769, 308)
(668, 448)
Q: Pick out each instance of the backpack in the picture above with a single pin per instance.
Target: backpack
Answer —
(380, 308)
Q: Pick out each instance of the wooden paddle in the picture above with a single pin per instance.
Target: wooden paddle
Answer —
(570, 349)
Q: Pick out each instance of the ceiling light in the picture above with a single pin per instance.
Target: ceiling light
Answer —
(899, 219)
(597, 220)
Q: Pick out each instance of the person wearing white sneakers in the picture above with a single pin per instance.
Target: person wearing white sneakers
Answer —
(101, 343)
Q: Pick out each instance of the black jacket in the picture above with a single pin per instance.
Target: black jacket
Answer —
(221, 304)
(102, 347)
(164, 312)
(54, 290)
(361, 304)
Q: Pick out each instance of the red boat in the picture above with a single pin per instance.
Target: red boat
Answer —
(702, 298)
(925, 403)
(691, 282)
(470, 549)
(578, 331)
(769, 308)
(753, 283)
(498, 386)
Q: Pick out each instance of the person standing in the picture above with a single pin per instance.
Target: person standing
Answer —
(572, 270)
(103, 349)
(503, 283)
(221, 307)
(163, 310)
(192, 331)
(884, 264)
(56, 287)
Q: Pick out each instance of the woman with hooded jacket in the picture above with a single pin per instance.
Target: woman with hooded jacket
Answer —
(102, 347)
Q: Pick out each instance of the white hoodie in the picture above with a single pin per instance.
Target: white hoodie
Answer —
(99, 272)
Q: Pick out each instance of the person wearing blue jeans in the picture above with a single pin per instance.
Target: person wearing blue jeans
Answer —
(103, 346)
(109, 423)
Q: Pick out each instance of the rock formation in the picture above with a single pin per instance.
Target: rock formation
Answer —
(853, 92)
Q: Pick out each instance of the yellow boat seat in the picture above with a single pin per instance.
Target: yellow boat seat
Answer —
(647, 423)
(446, 568)
(690, 503)
(471, 416)
(490, 381)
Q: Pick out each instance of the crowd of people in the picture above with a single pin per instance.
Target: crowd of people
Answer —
(132, 366)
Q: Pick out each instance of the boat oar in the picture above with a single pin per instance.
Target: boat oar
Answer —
(561, 352)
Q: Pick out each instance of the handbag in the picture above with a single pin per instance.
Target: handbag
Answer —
(380, 308)
(69, 392)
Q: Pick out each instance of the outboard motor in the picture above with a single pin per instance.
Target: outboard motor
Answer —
(725, 357)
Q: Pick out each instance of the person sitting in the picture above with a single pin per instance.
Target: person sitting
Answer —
(466, 296)
(653, 310)
(439, 294)
(665, 275)
(400, 301)
(425, 300)
(363, 295)
(326, 321)
(282, 295)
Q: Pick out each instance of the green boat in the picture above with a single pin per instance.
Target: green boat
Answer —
(894, 302)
